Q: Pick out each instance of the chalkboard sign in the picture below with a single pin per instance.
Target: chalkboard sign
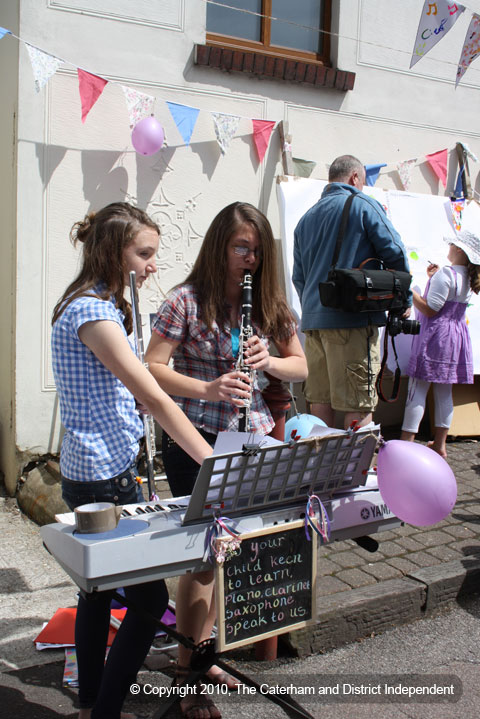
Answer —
(267, 586)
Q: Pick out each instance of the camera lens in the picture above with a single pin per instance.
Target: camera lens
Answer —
(410, 327)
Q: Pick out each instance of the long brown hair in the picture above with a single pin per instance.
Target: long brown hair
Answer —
(105, 235)
(474, 276)
(209, 273)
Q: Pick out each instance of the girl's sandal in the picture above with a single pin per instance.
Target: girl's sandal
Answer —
(195, 705)
(221, 678)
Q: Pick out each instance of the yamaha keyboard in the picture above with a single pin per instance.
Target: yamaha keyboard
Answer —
(255, 491)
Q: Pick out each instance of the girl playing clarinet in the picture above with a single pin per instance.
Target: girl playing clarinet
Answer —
(99, 379)
(198, 327)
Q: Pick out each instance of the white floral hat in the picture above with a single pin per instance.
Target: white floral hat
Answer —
(469, 242)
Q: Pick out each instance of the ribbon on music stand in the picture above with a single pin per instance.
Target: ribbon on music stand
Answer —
(323, 530)
(229, 545)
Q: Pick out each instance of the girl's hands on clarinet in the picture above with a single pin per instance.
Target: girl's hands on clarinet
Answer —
(257, 355)
(233, 387)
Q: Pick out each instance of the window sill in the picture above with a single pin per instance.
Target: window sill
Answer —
(273, 67)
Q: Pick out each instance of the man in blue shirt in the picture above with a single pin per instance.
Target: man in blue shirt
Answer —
(342, 348)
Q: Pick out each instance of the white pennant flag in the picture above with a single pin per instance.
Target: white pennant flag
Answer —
(225, 128)
(471, 47)
(436, 20)
(139, 105)
(405, 171)
(43, 65)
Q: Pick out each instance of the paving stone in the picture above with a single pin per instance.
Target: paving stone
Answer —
(326, 566)
(405, 566)
(422, 559)
(410, 544)
(347, 560)
(355, 577)
(434, 538)
(460, 531)
(384, 570)
(330, 585)
(446, 553)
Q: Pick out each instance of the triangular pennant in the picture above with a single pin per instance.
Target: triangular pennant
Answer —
(43, 66)
(303, 168)
(225, 128)
(438, 163)
(185, 118)
(458, 191)
(139, 105)
(436, 20)
(91, 87)
(457, 211)
(405, 171)
(262, 129)
(372, 172)
(4, 31)
(471, 47)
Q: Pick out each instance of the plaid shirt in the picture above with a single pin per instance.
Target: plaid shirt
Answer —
(102, 424)
(205, 355)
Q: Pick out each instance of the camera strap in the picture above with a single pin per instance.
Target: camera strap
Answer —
(396, 381)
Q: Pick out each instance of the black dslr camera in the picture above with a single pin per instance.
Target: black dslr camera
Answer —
(396, 324)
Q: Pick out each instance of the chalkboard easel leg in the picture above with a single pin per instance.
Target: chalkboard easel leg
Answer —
(203, 657)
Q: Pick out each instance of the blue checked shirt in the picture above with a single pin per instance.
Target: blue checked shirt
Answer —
(206, 355)
(102, 424)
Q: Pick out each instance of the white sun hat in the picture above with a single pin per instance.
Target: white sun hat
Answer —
(468, 238)
(468, 242)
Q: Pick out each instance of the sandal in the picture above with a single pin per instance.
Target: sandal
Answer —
(220, 678)
(195, 705)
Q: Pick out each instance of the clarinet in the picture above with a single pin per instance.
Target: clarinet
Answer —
(148, 421)
(246, 331)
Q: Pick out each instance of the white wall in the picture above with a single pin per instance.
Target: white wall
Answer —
(66, 168)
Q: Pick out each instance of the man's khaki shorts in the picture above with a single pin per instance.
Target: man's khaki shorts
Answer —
(338, 368)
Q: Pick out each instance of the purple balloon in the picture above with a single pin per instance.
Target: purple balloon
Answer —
(416, 484)
(147, 136)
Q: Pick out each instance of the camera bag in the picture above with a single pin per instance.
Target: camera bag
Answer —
(359, 289)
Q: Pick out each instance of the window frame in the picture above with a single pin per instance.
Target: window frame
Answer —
(264, 45)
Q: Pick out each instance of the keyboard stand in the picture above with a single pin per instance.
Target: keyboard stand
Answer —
(204, 656)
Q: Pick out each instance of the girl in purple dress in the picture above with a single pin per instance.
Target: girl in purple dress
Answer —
(442, 352)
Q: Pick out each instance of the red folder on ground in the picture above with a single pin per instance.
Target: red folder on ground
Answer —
(61, 627)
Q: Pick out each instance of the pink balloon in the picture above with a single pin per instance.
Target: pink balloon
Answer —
(147, 136)
(416, 483)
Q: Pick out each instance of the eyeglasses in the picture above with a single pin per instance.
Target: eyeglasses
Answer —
(243, 251)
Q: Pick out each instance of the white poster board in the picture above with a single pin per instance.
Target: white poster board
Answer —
(421, 220)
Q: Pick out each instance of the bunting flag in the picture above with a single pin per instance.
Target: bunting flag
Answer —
(91, 87)
(139, 105)
(262, 129)
(471, 47)
(225, 128)
(405, 171)
(457, 211)
(458, 191)
(438, 163)
(4, 31)
(372, 172)
(303, 168)
(185, 118)
(43, 66)
(436, 20)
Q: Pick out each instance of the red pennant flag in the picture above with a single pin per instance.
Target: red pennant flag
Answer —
(91, 87)
(438, 163)
(262, 129)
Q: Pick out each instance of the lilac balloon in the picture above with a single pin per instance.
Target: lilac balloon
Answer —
(147, 136)
(416, 483)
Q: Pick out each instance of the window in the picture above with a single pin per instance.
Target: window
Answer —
(288, 28)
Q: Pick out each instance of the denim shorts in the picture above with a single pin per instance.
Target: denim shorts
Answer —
(122, 489)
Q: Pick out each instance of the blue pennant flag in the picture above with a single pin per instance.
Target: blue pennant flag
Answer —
(185, 118)
(4, 31)
(458, 192)
(372, 172)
